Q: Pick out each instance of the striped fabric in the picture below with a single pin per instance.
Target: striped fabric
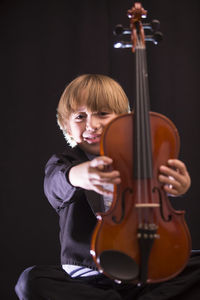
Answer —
(79, 271)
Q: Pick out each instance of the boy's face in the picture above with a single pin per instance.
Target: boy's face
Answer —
(86, 127)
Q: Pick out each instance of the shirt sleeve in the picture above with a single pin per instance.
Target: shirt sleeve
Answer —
(57, 187)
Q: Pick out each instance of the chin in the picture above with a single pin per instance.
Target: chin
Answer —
(94, 149)
(91, 148)
(95, 152)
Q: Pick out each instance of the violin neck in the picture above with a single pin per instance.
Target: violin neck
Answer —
(142, 133)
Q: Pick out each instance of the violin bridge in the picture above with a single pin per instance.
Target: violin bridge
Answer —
(147, 205)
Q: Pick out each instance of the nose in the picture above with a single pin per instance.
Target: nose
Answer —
(92, 123)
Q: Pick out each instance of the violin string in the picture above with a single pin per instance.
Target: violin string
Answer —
(137, 136)
(140, 154)
(143, 140)
(148, 145)
(144, 133)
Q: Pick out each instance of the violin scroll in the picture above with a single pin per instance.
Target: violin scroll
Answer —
(137, 29)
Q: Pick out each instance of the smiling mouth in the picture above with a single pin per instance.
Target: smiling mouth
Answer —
(93, 139)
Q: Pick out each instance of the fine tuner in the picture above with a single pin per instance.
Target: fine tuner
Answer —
(155, 36)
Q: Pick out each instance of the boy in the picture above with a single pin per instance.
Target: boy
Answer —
(77, 187)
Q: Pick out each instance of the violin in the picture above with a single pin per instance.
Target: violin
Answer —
(141, 238)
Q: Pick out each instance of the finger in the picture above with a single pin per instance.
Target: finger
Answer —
(109, 175)
(180, 181)
(173, 187)
(182, 174)
(101, 161)
(170, 190)
(177, 164)
(102, 191)
(100, 180)
(171, 172)
(104, 176)
(170, 182)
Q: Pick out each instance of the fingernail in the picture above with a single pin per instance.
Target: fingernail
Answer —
(170, 161)
(162, 167)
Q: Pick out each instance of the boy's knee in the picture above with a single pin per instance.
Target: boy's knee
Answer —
(22, 287)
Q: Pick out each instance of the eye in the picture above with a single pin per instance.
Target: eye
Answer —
(79, 117)
(103, 113)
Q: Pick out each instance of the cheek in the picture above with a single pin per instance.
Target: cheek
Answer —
(76, 131)
(110, 119)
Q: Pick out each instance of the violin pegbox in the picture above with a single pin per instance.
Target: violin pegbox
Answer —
(137, 29)
(135, 14)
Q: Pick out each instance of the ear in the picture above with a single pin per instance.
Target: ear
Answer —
(68, 131)
(67, 128)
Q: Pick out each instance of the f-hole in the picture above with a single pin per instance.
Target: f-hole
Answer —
(123, 206)
(168, 219)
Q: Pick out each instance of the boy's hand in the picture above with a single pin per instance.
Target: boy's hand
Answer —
(91, 175)
(175, 177)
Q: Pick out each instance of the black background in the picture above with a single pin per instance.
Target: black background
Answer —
(43, 46)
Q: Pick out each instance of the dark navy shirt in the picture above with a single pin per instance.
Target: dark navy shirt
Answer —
(76, 208)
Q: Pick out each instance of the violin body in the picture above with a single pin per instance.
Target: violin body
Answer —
(141, 238)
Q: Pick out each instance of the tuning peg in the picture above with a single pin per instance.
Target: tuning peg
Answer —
(156, 38)
(123, 44)
(119, 29)
(153, 26)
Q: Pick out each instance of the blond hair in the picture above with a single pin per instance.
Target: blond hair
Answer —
(97, 92)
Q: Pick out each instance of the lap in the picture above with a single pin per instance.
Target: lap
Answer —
(52, 282)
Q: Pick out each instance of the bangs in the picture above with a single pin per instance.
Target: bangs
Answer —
(96, 92)
(93, 98)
